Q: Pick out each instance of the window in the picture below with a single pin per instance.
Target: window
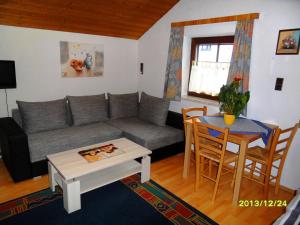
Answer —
(210, 61)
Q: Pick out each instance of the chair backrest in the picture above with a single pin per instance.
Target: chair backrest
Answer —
(210, 139)
(196, 112)
(282, 141)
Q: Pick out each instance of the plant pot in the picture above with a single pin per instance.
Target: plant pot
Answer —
(229, 119)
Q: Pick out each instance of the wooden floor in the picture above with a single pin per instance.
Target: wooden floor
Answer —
(168, 173)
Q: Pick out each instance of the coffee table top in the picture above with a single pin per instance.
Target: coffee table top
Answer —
(70, 164)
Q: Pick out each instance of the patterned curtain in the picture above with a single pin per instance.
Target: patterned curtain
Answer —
(240, 60)
(172, 88)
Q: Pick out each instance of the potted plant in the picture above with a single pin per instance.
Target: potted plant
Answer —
(232, 101)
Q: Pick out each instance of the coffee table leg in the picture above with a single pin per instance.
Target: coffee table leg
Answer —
(71, 195)
(145, 169)
(52, 171)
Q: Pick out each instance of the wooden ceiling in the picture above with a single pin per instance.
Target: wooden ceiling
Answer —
(116, 18)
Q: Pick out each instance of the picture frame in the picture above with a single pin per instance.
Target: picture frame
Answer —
(81, 59)
(288, 42)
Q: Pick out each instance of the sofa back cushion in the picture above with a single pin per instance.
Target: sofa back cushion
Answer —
(123, 105)
(43, 116)
(88, 109)
(153, 109)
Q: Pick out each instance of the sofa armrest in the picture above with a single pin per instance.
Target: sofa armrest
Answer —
(175, 120)
(14, 148)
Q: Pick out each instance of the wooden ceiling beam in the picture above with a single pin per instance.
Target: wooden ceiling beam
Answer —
(249, 16)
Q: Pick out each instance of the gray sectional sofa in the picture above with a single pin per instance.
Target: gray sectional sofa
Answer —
(43, 128)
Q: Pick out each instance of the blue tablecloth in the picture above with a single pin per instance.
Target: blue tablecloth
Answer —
(240, 126)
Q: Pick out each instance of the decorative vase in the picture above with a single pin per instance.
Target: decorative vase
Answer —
(88, 62)
(229, 119)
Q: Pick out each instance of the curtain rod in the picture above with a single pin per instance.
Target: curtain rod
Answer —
(250, 16)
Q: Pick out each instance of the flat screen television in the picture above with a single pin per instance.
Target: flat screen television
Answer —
(7, 74)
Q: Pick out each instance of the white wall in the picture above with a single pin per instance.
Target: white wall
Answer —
(265, 104)
(37, 56)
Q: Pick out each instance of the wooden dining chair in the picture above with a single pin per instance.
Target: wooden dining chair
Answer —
(266, 157)
(190, 113)
(196, 112)
(208, 147)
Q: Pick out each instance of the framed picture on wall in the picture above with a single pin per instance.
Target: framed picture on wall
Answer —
(81, 60)
(288, 42)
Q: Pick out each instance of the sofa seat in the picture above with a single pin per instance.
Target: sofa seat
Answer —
(147, 134)
(54, 141)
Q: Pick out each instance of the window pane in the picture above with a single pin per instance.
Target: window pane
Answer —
(225, 53)
(207, 53)
(208, 77)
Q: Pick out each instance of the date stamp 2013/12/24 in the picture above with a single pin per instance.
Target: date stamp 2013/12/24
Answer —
(262, 203)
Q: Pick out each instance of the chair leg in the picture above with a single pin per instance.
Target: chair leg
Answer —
(253, 166)
(277, 184)
(202, 162)
(217, 182)
(197, 171)
(263, 169)
(267, 181)
(234, 174)
(209, 168)
(193, 154)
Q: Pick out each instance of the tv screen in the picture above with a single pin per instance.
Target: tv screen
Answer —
(7, 74)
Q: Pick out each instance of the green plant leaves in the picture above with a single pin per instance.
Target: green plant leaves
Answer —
(232, 101)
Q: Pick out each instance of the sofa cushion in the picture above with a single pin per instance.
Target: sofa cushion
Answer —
(43, 116)
(153, 109)
(49, 142)
(147, 134)
(15, 114)
(88, 109)
(122, 106)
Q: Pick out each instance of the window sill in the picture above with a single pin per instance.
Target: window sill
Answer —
(200, 100)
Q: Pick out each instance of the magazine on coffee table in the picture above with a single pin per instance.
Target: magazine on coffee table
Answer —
(101, 152)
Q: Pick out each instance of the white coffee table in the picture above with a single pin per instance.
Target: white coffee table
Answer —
(76, 176)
